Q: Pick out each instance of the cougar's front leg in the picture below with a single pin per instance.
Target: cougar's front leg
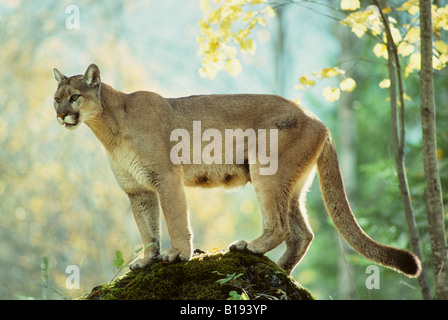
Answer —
(145, 206)
(174, 207)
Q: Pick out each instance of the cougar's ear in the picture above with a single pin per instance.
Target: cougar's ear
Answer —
(92, 76)
(58, 76)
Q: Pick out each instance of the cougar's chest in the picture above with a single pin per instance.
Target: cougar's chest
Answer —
(131, 171)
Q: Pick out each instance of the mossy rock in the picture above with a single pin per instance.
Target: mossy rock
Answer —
(207, 276)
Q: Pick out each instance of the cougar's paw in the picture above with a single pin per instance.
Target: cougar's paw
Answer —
(173, 255)
(141, 263)
(238, 246)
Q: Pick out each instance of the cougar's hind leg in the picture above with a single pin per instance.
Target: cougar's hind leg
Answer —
(273, 200)
(299, 239)
(301, 234)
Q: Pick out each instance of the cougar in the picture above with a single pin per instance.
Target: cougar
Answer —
(152, 165)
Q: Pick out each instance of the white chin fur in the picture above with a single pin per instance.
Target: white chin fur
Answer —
(70, 120)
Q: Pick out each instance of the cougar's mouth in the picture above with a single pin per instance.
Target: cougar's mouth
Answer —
(70, 121)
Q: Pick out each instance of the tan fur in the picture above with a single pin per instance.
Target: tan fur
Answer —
(135, 130)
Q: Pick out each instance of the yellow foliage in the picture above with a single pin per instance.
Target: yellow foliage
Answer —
(257, 1)
(443, 58)
(410, 6)
(233, 66)
(405, 49)
(347, 85)
(248, 45)
(269, 11)
(412, 35)
(204, 5)
(217, 41)
(406, 37)
(331, 72)
(331, 94)
(363, 20)
(380, 50)
(306, 81)
(441, 46)
(356, 21)
(439, 154)
(350, 4)
(385, 83)
(439, 19)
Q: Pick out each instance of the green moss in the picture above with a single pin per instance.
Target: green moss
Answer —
(256, 276)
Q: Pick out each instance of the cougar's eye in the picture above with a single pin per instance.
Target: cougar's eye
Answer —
(57, 100)
(74, 97)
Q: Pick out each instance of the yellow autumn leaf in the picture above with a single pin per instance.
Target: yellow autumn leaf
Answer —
(248, 45)
(249, 15)
(437, 64)
(351, 5)
(359, 30)
(230, 51)
(414, 61)
(215, 15)
(412, 35)
(380, 50)
(269, 11)
(306, 81)
(396, 34)
(404, 49)
(331, 94)
(443, 58)
(347, 85)
(385, 84)
(387, 10)
(439, 154)
(224, 28)
(407, 71)
(233, 66)
(411, 6)
(204, 5)
(441, 46)
(331, 72)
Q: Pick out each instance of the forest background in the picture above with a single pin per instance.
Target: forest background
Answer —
(60, 205)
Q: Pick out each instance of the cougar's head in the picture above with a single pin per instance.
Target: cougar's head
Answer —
(77, 98)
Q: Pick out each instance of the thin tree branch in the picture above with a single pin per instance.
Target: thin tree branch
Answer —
(398, 141)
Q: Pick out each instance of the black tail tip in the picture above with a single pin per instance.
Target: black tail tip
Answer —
(408, 264)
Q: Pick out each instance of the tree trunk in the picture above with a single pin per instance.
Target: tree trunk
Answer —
(398, 142)
(433, 193)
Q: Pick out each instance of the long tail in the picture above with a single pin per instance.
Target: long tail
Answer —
(337, 205)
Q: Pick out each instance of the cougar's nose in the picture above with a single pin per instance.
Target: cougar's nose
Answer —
(60, 117)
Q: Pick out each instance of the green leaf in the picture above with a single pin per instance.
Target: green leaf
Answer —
(119, 261)
(234, 295)
(140, 249)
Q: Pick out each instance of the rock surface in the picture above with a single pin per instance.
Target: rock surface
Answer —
(223, 275)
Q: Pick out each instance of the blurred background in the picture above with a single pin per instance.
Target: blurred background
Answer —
(60, 205)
